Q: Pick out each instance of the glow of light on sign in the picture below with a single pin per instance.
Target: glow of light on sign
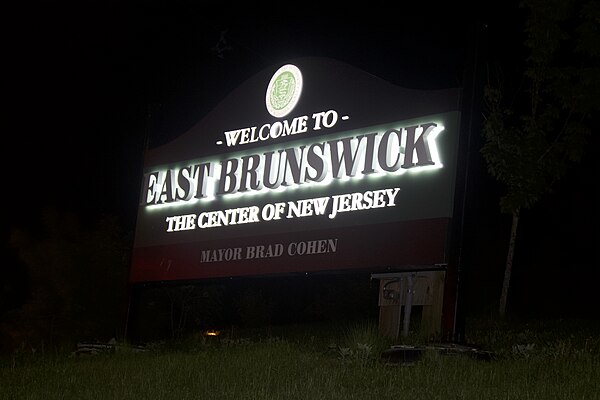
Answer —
(177, 204)
(340, 160)
(435, 156)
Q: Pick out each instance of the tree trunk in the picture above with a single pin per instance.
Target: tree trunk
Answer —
(509, 261)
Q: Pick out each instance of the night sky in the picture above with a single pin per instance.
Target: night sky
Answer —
(83, 78)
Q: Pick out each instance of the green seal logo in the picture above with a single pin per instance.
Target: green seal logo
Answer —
(284, 90)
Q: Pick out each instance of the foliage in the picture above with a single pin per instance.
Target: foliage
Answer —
(533, 135)
(78, 277)
(555, 360)
(362, 343)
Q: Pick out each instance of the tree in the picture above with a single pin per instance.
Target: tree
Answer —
(531, 138)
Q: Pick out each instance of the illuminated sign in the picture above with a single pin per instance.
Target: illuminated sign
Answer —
(332, 154)
(349, 157)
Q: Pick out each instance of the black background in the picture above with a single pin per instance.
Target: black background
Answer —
(90, 84)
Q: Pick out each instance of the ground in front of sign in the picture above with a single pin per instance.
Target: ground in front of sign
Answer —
(407, 355)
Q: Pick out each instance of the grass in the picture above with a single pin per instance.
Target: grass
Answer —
(535, 360)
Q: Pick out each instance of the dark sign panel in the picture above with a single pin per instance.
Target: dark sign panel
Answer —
(309, 166)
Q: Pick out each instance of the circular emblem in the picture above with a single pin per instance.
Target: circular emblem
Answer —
(284, 90)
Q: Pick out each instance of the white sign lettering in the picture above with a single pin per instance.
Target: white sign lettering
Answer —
(320, 206)
(395, 150)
